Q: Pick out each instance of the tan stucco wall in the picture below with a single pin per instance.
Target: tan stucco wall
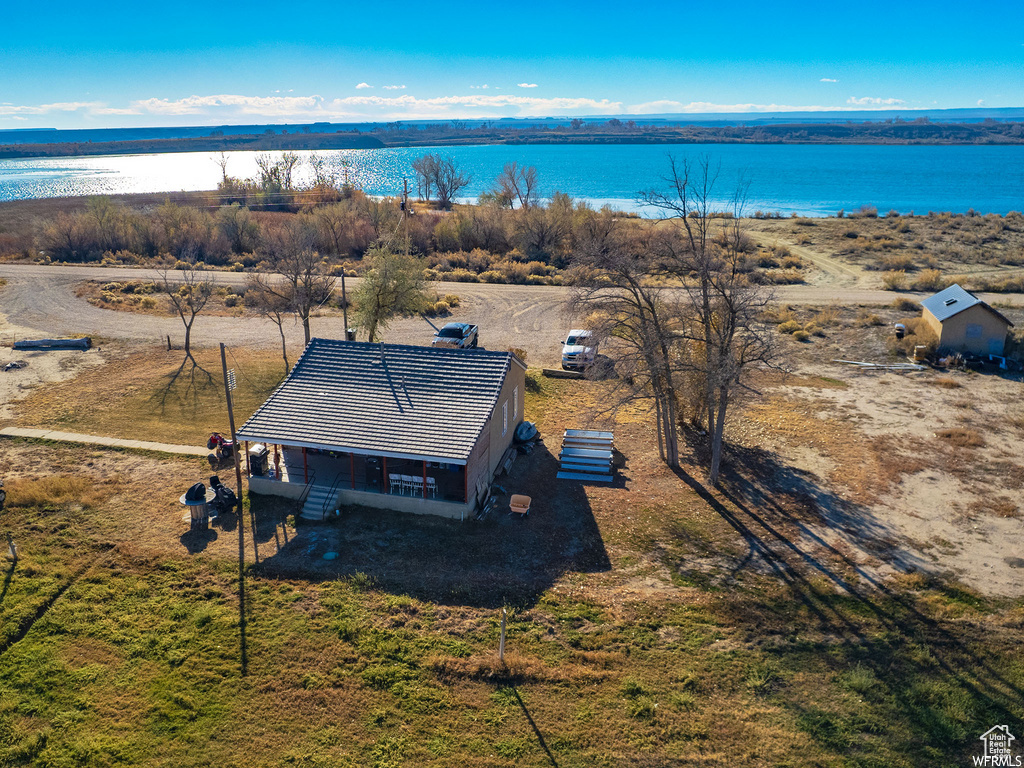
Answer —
(492, 443)
(952, 334)
(500, 442)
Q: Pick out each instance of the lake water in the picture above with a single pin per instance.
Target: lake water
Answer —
(810, 180)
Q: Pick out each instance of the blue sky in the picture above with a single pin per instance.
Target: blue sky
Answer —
(76, 65)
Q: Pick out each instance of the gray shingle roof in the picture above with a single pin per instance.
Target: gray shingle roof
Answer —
(425, 402)
(953, 301)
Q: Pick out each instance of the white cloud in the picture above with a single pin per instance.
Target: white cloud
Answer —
(363, 85)
(870, 101)
(483, 87)
(981, 102)
(269, 106)
(829, 80)
(527, 85)
(10, 110)
(394, 87)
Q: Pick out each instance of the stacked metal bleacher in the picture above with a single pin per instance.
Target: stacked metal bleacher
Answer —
(586, 455)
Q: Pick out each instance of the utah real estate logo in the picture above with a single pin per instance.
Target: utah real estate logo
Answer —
(997, 741)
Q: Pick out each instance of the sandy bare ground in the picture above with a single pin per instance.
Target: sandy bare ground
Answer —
(41, 300)
(931, 505)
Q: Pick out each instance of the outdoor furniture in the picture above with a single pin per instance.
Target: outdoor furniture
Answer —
(396, 483)
(409, 483)
(519, 505)
(432, 487)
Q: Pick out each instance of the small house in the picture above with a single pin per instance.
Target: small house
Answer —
(964, 323)
(407, 428)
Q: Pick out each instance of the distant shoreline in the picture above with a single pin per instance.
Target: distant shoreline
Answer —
(890, 132)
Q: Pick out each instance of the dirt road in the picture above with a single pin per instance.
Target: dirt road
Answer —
(40, 301)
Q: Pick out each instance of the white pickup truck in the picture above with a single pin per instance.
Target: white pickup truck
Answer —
(579, 350)
(461, 335)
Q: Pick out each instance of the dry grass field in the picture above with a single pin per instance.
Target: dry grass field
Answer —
(829, 605)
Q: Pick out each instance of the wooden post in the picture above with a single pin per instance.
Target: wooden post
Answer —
(387, 480)
(501, 642)
(277, 462)
(248, 468)
(424, 478)
(168, 342)
(305, 466)
(12, 548)
(352, 469)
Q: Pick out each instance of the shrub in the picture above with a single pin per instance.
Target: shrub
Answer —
(930, 280)
(865, 318)
(904, 304)
(895, 280)
(147, 302)
(451, 299)
(520, 353)
(231, 300)
(961, 437)
(801, 335)
(896, 262)
(790, 326)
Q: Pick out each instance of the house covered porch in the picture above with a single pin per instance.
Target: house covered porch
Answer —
(326, 479)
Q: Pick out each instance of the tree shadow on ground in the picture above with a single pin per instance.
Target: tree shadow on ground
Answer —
(497, 561)
(194, 378)
(942, 681)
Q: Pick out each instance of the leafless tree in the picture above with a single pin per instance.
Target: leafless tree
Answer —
(517, 182)
(719, 322)
(304, 279)
(189, 290)
(611, 287)
(323, 174)
(334, 223)
(424, 168)
(440, 174)
(273, 303)
(222, 162)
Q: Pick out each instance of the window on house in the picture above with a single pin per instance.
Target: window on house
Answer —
(504, 418)
(515, 403)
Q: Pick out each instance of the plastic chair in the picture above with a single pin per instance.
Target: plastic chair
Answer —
(409, 484)
(396, 483)
(432, 487)
(519, 505)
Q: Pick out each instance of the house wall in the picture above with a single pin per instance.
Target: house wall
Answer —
(516, 378)
(972, 330)
(267, 487)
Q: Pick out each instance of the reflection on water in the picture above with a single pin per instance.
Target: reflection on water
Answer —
(803, 179)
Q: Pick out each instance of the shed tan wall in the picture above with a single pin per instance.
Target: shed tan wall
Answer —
(952, 333)
(492, 444)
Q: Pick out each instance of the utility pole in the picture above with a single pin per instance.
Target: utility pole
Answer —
(405, 212)
(241, 519)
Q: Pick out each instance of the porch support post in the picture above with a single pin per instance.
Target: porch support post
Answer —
(305, 466)
(424, 478)
(277, 463)
(352, 470)
(387, 480)
(248, 469)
